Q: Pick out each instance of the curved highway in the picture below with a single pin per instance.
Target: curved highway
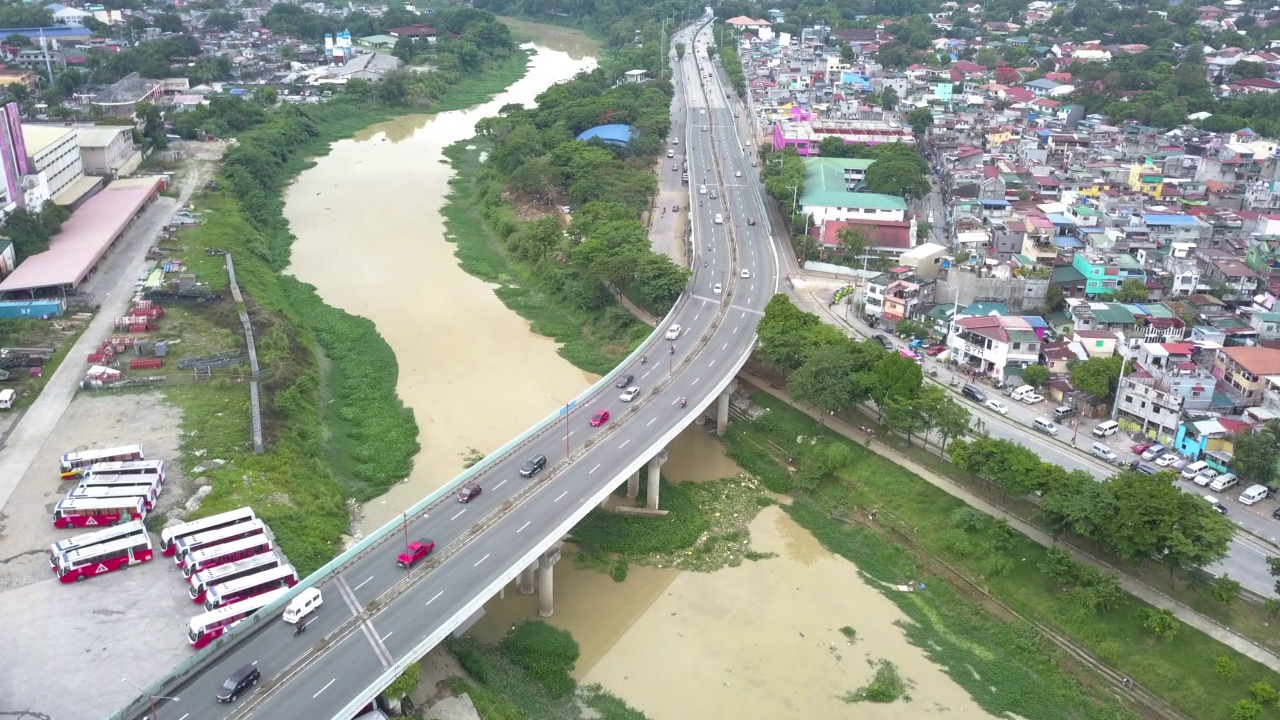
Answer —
(376, 617)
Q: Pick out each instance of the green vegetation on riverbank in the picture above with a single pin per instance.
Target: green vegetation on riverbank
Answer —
(335, 435)
(921, 534)
(526, 677)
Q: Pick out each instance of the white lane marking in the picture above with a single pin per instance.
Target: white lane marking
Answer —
(361, 584)
(711, 364)
(525, 525)
(725, 346)
(433, 597)
(326, 687)
(624, 443)
(504, 482)
(695, 380)
(384, 637)
(455, 517)
(572, 432)
(644, 376)
(597, 467)
(486, 557)
(184, 717)
(566, 492)
(651, 421)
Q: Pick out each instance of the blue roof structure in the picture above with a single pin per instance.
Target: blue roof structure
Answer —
(616, 134)
(1169, 220)
(58, 31)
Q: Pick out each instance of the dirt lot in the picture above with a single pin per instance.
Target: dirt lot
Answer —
(128, 624)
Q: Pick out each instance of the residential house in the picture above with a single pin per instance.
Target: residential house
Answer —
(1245, 369)
(996, 346)
(1104, 273)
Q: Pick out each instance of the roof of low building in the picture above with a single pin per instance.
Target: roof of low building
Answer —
(129, 89)
(1256, 360)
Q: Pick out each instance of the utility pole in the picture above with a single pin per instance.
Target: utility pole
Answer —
(1115, 404)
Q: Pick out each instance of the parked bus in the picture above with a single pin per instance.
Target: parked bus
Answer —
(204, 629)
(147, 493)
(97, 537)
(92, 512)
(74, 464)
(169, 535)
(185, 546)
(227, 552)
(128, 467)
(250, 586)
(142, 481)
(101, 558)
(204, 579)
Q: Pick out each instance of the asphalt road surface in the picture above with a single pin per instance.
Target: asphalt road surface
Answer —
(339, 656)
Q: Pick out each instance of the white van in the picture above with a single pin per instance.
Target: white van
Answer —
(1106, 429)
(303, 605)
(1021, 392)
(719, 219)
(1104, 452)
(702, 189)
(1194, 469)
(1222, 482)
(7, 396)
(1253, 495)
(1044, 426)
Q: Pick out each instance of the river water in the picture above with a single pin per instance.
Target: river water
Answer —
(758, 641)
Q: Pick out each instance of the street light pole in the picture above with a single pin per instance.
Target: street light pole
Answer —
(567, 408)
(150, 698)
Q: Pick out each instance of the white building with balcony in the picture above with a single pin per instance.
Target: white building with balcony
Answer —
(994, 345)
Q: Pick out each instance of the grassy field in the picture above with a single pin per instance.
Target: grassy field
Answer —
(920, 533)
(58, 333)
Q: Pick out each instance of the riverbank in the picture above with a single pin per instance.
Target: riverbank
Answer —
(331, 435)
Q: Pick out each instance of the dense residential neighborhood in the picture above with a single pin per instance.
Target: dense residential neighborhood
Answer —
(1053, 234)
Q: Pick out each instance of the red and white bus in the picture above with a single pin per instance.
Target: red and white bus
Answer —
(97, 537)
(147, 493)
(92, 512)
(128, 467)
(204, 629)
(74, 464)
(235, 591)
(191, 543)
(228, 552)
(115, 554)
(170, 535)
(218, 574)
(142, 481)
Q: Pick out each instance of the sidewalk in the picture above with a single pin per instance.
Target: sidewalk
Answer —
(1184, 613)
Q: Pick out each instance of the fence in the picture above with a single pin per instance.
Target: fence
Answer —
(255, 405)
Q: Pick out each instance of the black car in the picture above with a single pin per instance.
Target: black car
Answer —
(751, 221)
(533, 465)
(624, 382)
(884, 340)
(240, 680)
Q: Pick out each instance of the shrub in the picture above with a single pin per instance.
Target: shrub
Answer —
(1224, 667)
(405, 684)
(885, 687)
(1159, 622)
(1265, 693)
(547, 654)
(1246, 709)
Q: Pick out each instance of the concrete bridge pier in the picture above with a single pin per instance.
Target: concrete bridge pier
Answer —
(526, 579)
(546, 565)
(722, 407)
(655, 478)
(633, 485)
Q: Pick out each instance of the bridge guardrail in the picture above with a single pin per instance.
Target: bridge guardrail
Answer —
(249, 626)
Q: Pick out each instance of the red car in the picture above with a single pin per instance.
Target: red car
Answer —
(600, 418)
(469, 492)
(416, 550)
(935, 350)
(1141, 447)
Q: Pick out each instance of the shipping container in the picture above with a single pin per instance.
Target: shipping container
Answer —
(45, 307)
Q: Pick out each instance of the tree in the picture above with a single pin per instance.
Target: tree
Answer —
(1035, 375)
(897, 176)
(897, 378)
(889, 99)
(1246, 709)
(1225, 590)
(781, 331)
(1054, 298)
(853, 241)
(30, 232)
(1098, 376)
(1159, 622)
(1253, 455)
(1265, 694)
(987, 58)
(1015, 469)
(222, 21)
(169, 22)
(830, 379)
(406, 683)
(920, 120)
(949, 419)
(680, 51)
(1131, 290)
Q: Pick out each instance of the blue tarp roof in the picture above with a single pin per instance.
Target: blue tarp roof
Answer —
(992, 202)
(1179, 220)
(1059, 219)
(1066, 241)
(616, 134)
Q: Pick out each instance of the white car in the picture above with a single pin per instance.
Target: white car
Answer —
(1204, 478)
(737, 173)
(702, 111)
(997, 406)
(1032, 398)
(673, 332)
(675, 141)
(1167, 460)
(716, 288)
(630, 394)
(745, 273)
(753, 163)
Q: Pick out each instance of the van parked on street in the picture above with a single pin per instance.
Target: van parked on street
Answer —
(1194, 469)
(1253, 495)
(1103, 452)
(1022, 391)
(1222, 482)
(7, 397)
(1106, 429)
(1044, 426)
(1063, 412)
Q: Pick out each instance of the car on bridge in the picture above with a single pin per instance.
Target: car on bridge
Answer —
(673, 332)
(717, 289)
(415, 551)
(601, 417)
(469, 492)
(625, 381)
(533, 465)
(745, 273)
(751, 221)
(630, 394)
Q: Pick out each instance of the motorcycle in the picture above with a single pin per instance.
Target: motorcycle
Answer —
(683, 402)
(297, 629)
(644, 359)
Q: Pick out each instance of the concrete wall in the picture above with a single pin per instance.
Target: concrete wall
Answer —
(965, 288)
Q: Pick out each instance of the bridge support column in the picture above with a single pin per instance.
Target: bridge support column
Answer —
(722, 408)
(546, 565)
(655, 478)
(633, 485)
(526, 579)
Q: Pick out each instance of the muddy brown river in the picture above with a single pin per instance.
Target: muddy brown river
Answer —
(758, 641)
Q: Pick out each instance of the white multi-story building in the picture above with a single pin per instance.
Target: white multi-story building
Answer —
(55, 150)
(992, 344)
